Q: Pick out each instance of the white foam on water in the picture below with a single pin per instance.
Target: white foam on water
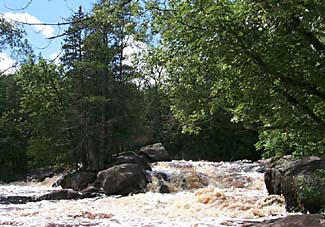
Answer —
(236, 194)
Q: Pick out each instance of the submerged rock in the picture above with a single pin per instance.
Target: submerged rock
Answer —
(60, 194)
(16, 199)
(67, 194)
(181, 181)
(188, 181)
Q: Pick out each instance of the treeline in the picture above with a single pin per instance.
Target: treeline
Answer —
(221, 80)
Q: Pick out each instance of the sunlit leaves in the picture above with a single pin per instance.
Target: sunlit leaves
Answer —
(262, 61)
(41, 84)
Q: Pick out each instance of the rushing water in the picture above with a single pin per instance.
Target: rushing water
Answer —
(210, 194)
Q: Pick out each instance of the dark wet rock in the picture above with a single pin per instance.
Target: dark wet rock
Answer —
(305, 220)
(77, 180)
(274, 172)
(91, 191)
(122, 179)
(300, 181)
(40, 174)
(264, 164)
(63, 194)
(162, 176)
(159, 182)
(131, 157)
(58, 181)
(154, 153)
(163, 189)
(60, 195)
(16, 199)
(165, 182)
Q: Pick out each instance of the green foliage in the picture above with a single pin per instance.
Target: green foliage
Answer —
(42, 101)
(105, 112)
(205, 135)
(263, 62)
(10, 35)
(275, 142)
(13, 133)
(217, 77)
(41, 85)
(313, 189)
(13, 157)
(218, 140)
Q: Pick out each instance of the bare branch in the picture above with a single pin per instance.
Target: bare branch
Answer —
(56, 57)
(2, 73)
(47, 24)
(19, 9)
(69, 33)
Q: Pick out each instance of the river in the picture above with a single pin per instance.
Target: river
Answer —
(235, 194)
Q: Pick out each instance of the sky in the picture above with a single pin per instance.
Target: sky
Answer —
(40, 11)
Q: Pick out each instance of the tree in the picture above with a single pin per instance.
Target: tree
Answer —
(13, 133)
(104, 101)
(264, 62)
(72, 59)
(10, 35)
(217, 139)
(44, 104)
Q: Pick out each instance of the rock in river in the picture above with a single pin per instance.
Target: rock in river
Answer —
(155, 153)
(131, 157)
(78, 180)
(302, 182)
(122, 179)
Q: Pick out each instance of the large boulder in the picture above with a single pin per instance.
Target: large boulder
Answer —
(122, 179)
(302, 182)
(274, 172)
(130, 157)
(154, 153)
(77, 180)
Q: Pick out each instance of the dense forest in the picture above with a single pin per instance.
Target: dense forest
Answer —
(212, 80)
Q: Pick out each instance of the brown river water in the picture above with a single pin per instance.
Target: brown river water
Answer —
(217, 194)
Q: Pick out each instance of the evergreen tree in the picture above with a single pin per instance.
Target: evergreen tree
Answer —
(104, 100)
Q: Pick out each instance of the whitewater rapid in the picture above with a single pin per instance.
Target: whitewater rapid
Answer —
(235, 195)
